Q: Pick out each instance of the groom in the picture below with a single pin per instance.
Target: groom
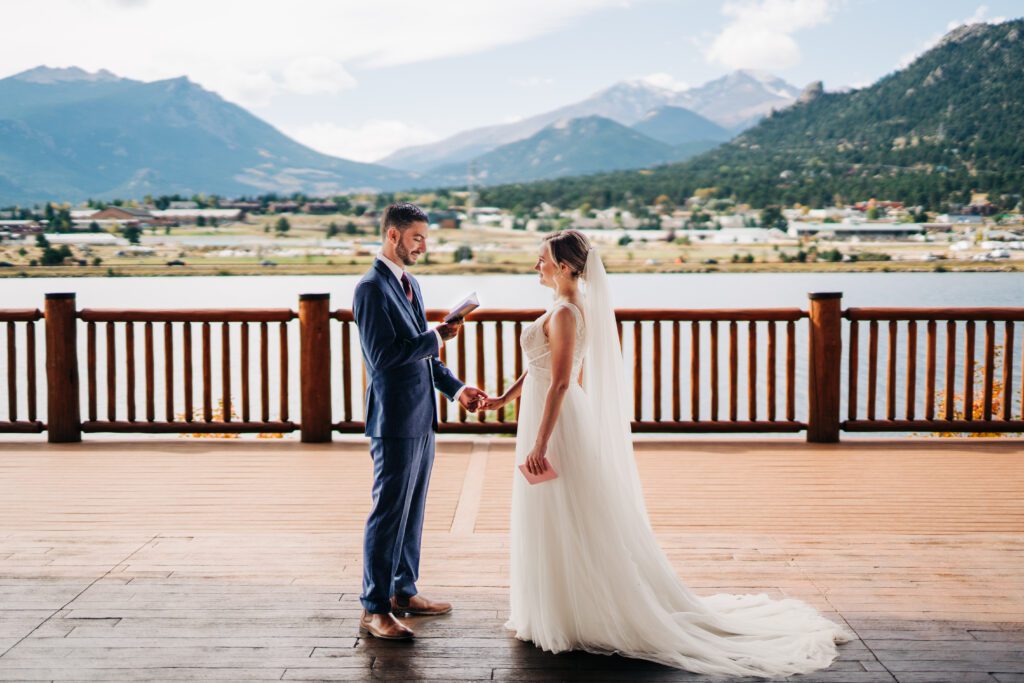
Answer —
(402, 371)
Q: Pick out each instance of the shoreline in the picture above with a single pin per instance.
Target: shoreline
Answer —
(235, 270)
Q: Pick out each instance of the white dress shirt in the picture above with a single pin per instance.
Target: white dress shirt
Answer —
(398, 271)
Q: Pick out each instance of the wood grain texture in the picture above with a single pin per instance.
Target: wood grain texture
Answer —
(241, 560)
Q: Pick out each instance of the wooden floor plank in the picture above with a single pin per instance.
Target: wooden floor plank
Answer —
(207, 560)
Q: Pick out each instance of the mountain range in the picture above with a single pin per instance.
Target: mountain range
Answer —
(949, 124)
(588, 144)
(734, 102)
(68, 134)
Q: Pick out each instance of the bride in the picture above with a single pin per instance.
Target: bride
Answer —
(587, 572)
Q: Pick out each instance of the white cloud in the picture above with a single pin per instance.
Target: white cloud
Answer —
(980, 16)
(759, 32)
(312, 75)
(256, 51)
(533, 81)
(371, 141)
(246, 87)
(666, 81)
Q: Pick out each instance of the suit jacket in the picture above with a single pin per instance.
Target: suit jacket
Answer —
(401, 356)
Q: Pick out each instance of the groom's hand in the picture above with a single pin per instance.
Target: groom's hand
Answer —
(450, 329)
(470, 398)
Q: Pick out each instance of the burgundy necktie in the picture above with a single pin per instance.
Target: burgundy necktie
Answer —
(407, 287)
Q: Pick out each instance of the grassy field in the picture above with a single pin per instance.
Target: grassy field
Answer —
(304, 251)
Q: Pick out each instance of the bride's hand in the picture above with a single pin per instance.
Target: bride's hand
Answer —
(493, 403)
(535, 462)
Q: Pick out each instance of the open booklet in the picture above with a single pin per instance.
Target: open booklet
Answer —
(467, 305)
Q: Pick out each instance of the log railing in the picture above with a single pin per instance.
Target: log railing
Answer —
(486, 353)
(922, 346)
(715, 373)
(11, 420)
(737, 370)
(169, 342)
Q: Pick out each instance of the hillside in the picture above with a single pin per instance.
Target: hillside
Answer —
(950, 123)
(734, 101)
(67, 135)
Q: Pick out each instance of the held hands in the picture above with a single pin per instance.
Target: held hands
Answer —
(450, 329)
(471, 398)
(493, 403)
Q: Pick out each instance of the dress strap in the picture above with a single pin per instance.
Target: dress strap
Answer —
(577, 313)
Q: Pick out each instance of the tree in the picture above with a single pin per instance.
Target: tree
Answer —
(332, 229)
(62, 221)
(664, 204)
(705, 193)
(463, 253)
(131, 233)
(282, 226)
(94, 226)
(771, 217)
(343, 204)
(200, 222)
(41, 241)
(351, 229)
(52, 257)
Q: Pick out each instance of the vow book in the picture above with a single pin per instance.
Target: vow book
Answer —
(469, 304)
(546, 475)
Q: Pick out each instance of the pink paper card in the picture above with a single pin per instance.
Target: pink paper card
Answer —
(547, 475)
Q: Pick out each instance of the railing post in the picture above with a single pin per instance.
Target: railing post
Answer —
(63, 420)
(315, 367)
(825, 355)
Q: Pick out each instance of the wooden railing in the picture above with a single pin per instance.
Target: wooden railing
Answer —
(992, 411)
(732, 370)
(504, 326)
(27, 318)
(269, 321)
(720, 326)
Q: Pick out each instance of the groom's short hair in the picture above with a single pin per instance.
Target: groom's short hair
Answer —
(401, 215)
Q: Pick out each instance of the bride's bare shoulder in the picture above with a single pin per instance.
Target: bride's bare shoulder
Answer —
(575, 307)
(562, 322)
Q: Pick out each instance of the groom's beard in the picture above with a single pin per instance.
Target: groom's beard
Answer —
(404, 254)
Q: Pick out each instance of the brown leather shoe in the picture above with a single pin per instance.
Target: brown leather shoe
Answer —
(384, 626)
(419, 606)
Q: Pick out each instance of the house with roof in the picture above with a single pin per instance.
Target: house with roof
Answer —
(124, 214)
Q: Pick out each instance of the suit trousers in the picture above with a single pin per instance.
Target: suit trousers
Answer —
(391, 542)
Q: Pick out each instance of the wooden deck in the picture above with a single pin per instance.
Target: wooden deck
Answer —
(240, 560)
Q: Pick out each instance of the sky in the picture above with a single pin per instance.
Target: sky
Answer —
(362, 79)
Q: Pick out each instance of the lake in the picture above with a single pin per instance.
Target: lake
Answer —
(648, 290)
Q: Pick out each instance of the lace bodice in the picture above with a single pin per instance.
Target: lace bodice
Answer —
(537, 349)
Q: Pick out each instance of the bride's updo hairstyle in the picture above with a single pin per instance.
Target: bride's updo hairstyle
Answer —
(569, 247)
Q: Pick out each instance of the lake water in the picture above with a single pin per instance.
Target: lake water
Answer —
(716, 290)
(683, 290)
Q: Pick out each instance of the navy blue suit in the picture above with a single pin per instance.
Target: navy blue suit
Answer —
(403, 370)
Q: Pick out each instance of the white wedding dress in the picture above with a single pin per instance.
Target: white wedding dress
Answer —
(587, 572)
